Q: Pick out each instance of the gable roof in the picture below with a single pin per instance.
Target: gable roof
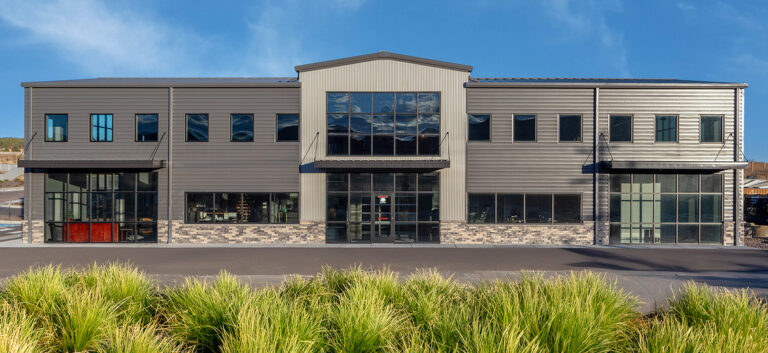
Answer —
(382, 55)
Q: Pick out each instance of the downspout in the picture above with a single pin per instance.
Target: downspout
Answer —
(596, 159)
(169, 165)
(736, 172)
(29, 183)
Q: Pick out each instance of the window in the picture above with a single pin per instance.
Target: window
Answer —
(101, 127)
(621, 128)
(666, 208)
(383, 123)
(100, 207)
(524, 208)
(241, 127)
(479, 127)
(146, 127)
(570, 128)
(525, 128)
(711, 129)
(287, 127)
(56, 127)
(392, 207)
(666, 128)
(197, 127)
(236, 207)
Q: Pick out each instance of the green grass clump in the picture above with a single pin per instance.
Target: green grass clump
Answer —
(201, 313)
(18, 331)
(134, 295)
(703, 319)
(83, 321)
(138, 339)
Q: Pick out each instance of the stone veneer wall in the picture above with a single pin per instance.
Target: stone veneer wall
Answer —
(38, 232)
(529, 234)
(302, 233)
(728, 232)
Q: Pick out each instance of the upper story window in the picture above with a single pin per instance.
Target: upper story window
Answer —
(146, 127)
(383, 123)
(197, 127)
(101, 127)
(621, 128)
(479, 127)
(287, 127)
(711, 128)
(242, 127)
(666, 128)
(56, 127)
(525, 128)
(570, 128)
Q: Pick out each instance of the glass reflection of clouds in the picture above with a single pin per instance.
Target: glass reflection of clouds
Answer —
(197, 127)
(242, 127)
(389, 116)
(287, 127)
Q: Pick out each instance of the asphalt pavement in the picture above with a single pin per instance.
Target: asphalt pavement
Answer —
(652, 274)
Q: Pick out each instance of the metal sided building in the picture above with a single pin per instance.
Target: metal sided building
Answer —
(383, 148)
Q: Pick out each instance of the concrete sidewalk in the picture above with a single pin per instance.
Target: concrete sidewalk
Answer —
(650, 273)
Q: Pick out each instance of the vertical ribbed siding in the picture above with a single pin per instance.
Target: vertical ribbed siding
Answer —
(546, 165)
(221, 165)
(385, 75)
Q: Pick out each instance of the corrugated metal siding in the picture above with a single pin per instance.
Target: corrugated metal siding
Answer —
(221, 165)
(385, 75)
(544, 166)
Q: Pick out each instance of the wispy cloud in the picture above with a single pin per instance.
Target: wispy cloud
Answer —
(102, 40)
(274, 46)
(589, 19)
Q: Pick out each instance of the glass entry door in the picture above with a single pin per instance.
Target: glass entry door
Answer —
(382, 223)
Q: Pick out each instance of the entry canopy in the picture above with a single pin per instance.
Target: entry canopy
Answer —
(389, 165)
(672, 165)
(91, 164)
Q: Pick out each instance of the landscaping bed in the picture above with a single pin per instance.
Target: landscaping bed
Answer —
(115, 308)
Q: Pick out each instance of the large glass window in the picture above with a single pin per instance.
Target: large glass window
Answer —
(56, 127)
(621, 128)
(146, 127)
(666, 128)
(197, 127)
(525, 128)
(287, 127)
(711, 128)
(383, 123)
(524, 208)
(236, 207)
(391, 207)
(101, 207)
(666, 208)
(241, 127)
(101, 127)
(570, 128)
(479, 127)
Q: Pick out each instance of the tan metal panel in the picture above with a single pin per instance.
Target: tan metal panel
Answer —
(384, 75)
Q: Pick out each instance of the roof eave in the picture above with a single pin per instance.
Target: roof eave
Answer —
(382, 55)
(601, 85)
(64, 84)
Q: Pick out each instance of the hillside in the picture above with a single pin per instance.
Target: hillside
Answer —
(11, 144)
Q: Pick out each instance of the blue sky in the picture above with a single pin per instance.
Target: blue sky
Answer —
(703, 40)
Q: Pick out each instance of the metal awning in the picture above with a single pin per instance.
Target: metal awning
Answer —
(673, 165)
(91, 164)
(387, 164)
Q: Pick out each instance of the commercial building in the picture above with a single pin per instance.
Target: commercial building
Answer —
(384, 148)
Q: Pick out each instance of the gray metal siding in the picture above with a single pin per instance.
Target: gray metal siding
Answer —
(544, 166)
(221, 165)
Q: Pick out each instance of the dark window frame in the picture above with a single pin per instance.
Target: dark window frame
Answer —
(656, 128)
(394, 112)
(722, 128)
(111, 117)
(232, 130)
(581, 128)
(535, 128)
(525, 207)
(298, 127)
(490, 128)
(242, 195)
(66, 133)
(631, 128)
(186, 127)
(136, 127)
